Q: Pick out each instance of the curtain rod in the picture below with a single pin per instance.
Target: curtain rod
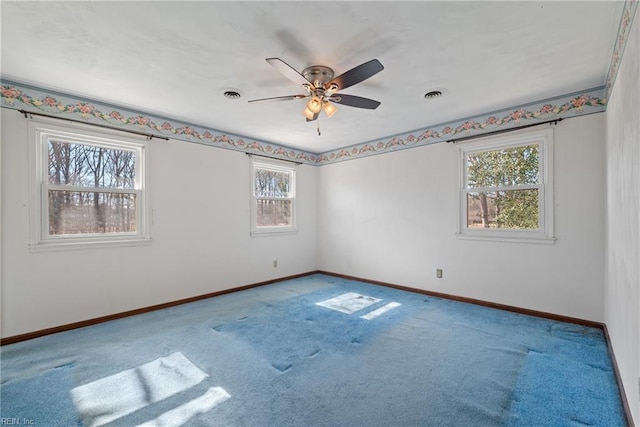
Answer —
(151, 136)
(147, 135)
(274, 158)
(495, 132)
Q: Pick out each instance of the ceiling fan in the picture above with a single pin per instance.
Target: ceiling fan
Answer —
(322, 88)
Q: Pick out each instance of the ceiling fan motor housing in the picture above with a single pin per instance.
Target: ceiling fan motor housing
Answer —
(318, 75)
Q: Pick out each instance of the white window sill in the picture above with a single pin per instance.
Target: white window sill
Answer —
(273, 232)
(81, 245)
(541, 240)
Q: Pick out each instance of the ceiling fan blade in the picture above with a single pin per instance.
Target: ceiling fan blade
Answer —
(288, 71)
(279, 98)
(355, 101)
(356, 75)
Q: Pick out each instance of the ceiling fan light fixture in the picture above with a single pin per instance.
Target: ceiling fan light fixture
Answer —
(314, 104)
(308, 113)
(329, 109)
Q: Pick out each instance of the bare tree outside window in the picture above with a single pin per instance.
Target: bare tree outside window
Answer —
(273, 195)
(89, 189)
(272, 190)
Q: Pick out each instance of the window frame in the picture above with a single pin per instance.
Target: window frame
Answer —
(545, 231)
(40, 132)
(276, 166)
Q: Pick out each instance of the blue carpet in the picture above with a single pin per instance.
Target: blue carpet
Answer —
(42, 397)
(272, 356)
(570, 386)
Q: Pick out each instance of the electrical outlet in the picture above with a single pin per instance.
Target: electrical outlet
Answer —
(275, 262)
(439, 273)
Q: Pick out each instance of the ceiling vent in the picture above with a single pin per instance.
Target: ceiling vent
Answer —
(433, 94)
(231, 93)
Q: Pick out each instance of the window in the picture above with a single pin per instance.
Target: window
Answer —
(87, 188)
(507, 188)
(273, 197)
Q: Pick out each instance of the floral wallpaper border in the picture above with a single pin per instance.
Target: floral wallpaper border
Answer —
(32, 99)
(23, 97)
(628, 13)
(592, 101)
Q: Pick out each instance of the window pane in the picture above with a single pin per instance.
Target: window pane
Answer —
(90, 166)
(81, 212)
(273, 213)
(272, 183)
(504, 168)
(515, 209)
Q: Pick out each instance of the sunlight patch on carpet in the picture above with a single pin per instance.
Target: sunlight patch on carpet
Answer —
(115, 396)
(380, 311)
(182, 414)
(349, 303)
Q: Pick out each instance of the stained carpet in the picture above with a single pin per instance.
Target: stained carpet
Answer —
(315, 351)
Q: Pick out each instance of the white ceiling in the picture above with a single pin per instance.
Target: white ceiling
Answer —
(174, 59)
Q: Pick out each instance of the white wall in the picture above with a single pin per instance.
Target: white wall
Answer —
(622, 291)
(390, 218)
(201, 242)
(393, 218)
